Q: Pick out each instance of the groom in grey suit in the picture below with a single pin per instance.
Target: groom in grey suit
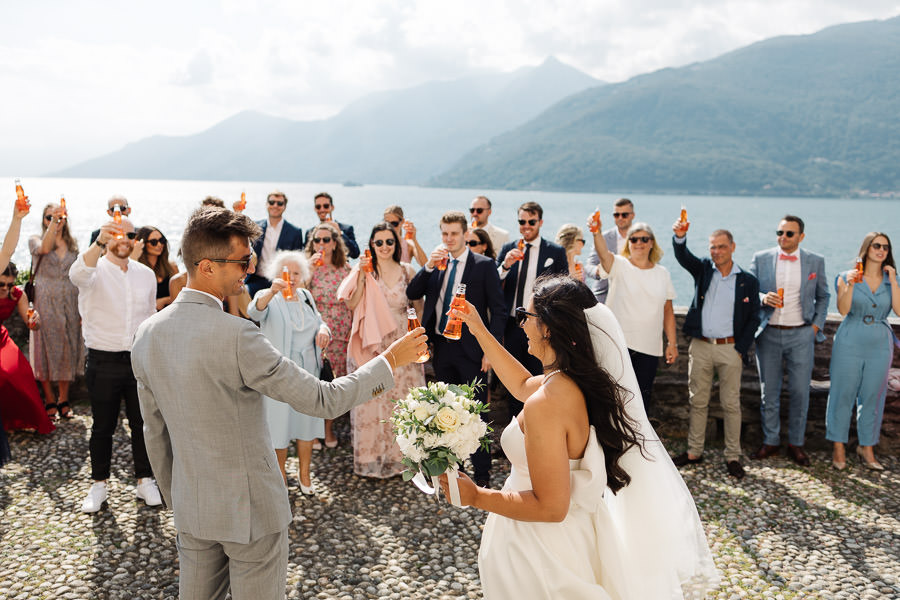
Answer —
(200, 373)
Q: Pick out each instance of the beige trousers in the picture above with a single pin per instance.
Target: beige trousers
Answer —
(705, 360)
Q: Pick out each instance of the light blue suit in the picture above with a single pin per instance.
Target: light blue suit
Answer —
(790, 349)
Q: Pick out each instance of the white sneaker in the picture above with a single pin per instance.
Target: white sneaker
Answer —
(95, 498)
(148, 492)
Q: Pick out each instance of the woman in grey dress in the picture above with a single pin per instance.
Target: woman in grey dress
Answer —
(57, 348)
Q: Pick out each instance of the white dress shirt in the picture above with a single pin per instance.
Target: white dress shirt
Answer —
(788, 275)
(270, 245)
(530, 274)
(620, 241)
(112, 302)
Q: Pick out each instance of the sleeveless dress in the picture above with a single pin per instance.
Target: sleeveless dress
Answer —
(21, 406)
(375, 449)
(578, 558)
(324, 284)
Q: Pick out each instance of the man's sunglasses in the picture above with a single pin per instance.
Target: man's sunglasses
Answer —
(322, 240)
(522, 315)
(393, 224)
(531, 222)
(781, 232)
(640, 238)
(389, 242)
(880, 246)
(278, 202)
(244, 262)
(131, 235)
(323, 206)
(473, 243)
(477, 211)
(621, 215)
(156, 242)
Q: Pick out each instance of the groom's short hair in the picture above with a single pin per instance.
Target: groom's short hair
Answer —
(209, 231)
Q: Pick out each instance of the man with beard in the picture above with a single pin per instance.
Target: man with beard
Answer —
(115, 295)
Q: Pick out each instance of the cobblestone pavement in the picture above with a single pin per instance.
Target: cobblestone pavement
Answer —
(782, 532)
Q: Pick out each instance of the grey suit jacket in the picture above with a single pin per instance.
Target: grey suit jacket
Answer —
(200, 373)
(600, 285)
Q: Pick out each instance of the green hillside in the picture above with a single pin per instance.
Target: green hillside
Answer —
(799, 115)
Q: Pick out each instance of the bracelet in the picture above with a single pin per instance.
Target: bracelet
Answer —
(393, 358)
(99, 245)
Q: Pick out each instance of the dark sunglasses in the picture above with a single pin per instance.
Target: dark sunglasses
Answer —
(156, 242)
(640, 238)
(580, 240)
(476, 211)
(781, 232)
(879, 246)
(48, 217)
(244, 262)
(380, 243)
(323, 240)
(121, 209)
(621, 215)
(322, 206)
(8, 285)
(531, 222)
(474, 243)
(522, 315)
(278, 202)
(394, 224)
(131, 235)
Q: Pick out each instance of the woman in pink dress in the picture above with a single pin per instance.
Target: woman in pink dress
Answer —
(328, 266)
(20, 402)
(375, 450)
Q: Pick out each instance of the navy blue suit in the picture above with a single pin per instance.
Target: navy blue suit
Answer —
(460, 361)
(347, 234)
(291, 238)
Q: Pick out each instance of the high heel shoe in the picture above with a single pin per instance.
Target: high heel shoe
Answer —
(839, 465)
(874, 465)
(307, 491)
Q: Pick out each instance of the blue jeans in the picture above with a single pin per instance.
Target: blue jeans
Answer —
(777, 351)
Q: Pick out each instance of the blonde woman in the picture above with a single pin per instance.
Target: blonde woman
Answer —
(640, 296)
(295, 328)
(409, 248)
(571, 238)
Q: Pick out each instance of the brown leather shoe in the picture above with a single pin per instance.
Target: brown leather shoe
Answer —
(798, 455)
(765, 451)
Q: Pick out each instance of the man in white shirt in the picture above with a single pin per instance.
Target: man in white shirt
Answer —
(623, 214)
(791, 323)
(480, 209)
(115, 295)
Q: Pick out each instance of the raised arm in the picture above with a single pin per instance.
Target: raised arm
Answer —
(11, 240)
(603, 254)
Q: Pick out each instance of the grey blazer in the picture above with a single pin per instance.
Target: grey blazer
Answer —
(600, 286)
(200, 373)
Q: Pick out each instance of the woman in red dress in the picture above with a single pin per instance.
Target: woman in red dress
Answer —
(20, 403)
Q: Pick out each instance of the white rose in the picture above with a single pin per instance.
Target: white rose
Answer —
(421, 412)
(447, 419)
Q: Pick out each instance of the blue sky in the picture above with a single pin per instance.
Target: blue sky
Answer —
(85, 78)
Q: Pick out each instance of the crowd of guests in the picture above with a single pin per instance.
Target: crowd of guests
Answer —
(330, 308)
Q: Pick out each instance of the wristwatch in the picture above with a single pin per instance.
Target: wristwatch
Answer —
(100, 244)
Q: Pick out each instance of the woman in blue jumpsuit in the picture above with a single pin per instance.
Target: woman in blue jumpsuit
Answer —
(863, 350)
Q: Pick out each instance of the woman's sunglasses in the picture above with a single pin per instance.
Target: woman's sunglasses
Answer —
(879, 246)
(389, 242)
(473, 243)
(394, 224)
(323, 240)
(640, 238)
(156, 242)
(522, 315)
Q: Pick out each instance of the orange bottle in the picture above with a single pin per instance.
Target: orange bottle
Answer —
(521, 247)
(62, 205)
(117, 219)
(781, 297)
(30, 315)
(242, 205)
(859, 270)
(453, 330)
(579, 271)
(412, 321)
(441, 264)
(594, 225)
(287, 292)
(474, 223)
(21, 198)
(369, 268)
(683, 218)
(319, 262)
(407, 234)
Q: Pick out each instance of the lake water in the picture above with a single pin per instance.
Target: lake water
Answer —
(834, 227)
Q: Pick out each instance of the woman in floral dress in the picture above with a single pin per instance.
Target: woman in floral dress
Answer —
(375, 450)
(328, 266)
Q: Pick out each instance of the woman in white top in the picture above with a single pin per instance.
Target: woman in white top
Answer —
(640, 296)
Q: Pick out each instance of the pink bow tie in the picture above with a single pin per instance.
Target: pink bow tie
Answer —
(786, 257)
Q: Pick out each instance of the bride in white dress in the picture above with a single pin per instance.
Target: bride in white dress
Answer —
(593, 507)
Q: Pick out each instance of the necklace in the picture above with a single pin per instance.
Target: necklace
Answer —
(549, 375)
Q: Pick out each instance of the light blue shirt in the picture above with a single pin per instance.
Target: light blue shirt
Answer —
(717, 315)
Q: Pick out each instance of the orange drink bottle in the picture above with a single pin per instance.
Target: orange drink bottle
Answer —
(319, 262)
(30, 315)
(441, 265)
(408, 234)
(369, 268)
(287, 292)
(521, 247)
(453, 330)
(117, 219)
(683, 218)
(579, 271)
(242, 205)
(21, 198)
(594, 225)
(859, 270)
(412, 321)
(62, 205)
(781, 297)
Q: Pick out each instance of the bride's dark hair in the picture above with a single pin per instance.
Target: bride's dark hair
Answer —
(560, 302)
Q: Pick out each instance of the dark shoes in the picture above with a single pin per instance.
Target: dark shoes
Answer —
(798, 455)
(735, 469)
(683, 459)
(765, 451)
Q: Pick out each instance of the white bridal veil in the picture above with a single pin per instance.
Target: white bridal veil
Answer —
(666, 552)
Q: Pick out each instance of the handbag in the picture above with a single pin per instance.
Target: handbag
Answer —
(29, 285)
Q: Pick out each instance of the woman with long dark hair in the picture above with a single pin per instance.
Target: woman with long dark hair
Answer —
(155, 254)
(863, 349)
(555, 531)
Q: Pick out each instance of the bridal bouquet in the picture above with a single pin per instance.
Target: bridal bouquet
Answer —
(438, 426)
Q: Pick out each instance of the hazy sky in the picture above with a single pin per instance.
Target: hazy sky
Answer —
(84, 78)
